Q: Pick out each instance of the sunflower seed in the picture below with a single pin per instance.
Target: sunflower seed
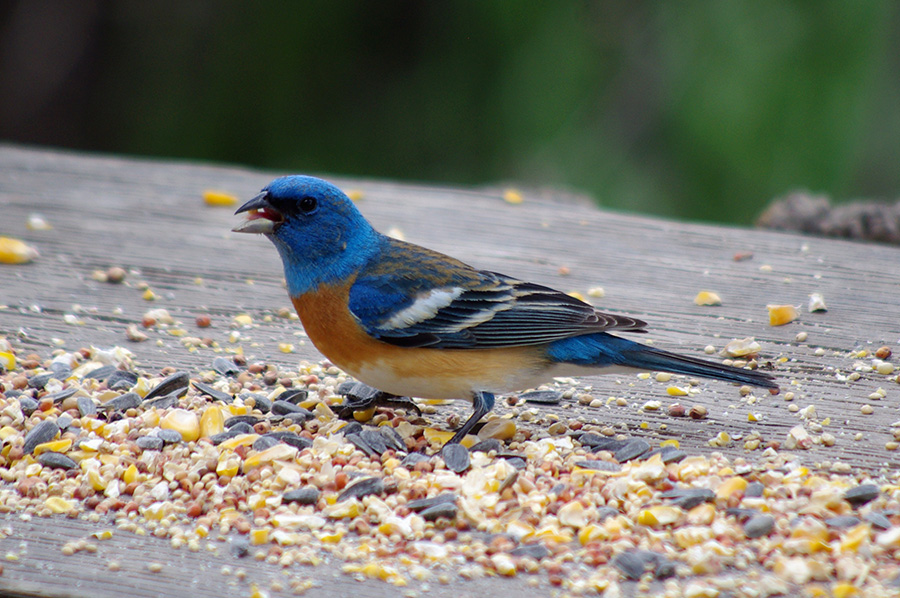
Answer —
(364, 487)
(455, 457)
(41, 433)
(177, 383)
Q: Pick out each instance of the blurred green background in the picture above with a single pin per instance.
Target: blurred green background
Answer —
(696, 110)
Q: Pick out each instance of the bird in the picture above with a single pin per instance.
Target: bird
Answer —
(413, 322)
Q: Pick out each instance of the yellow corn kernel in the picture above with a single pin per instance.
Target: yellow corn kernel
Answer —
(730, 487)
(218, 198)
(520, 530)
(58, 504)
(512, 196)
(844, 589)
(279, 452)
(14, 251)
(572, 514)
(670, 442)
(591, 532)
(212, 421)
(228, 467)
(347, 509)
(242, 320)
(182, 421)
(779, 315)
(707, 298)
(554, 534)
(503, 564)
(95, 479)
(56, 446)
(240, 440)
(855, 537)
(238, 409)
(7, 361)
(130, 474)
(259, 536)
(433, 435)
(659, 515)
(106, 459)
(364, 415)
(676, 391)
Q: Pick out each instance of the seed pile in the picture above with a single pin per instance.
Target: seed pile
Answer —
(259, 458)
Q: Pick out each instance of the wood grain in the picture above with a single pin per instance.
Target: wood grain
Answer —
(149, 217)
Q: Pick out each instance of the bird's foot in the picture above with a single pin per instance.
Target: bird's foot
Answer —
(361, 397)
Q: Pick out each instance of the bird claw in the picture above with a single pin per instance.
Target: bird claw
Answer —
(361, 397)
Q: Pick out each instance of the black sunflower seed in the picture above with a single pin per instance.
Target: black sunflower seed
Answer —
(43, 432)
(364, 487)
(177, 383)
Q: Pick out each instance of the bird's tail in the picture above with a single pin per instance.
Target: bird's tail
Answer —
(651, 358)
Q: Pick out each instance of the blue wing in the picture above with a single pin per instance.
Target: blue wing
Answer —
(415, 297)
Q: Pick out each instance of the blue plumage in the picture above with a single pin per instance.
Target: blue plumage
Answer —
(415, 309)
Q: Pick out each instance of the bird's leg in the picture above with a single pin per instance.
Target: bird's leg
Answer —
(363, 397)
(482, 403)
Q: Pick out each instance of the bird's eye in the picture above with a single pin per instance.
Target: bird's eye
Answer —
(308, 205)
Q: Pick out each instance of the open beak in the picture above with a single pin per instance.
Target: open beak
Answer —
(262, 218)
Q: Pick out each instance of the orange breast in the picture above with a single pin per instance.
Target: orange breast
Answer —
(410, 371)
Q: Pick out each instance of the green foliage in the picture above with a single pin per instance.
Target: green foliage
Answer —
(699, 109)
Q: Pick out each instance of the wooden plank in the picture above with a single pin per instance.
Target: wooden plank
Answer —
(148, 217)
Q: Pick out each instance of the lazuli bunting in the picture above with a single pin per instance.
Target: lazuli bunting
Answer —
(414, 322)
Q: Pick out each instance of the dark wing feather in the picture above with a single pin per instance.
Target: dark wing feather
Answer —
(467, 308)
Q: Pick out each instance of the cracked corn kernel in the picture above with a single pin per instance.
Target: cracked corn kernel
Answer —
(182, 421)
(658, 516)
(14, 251)
(56, 446)
(854, 537)
(228, 466)
(239, 440)
(242, 320)
(572, 514)
(58, 504)
(279, 452)
(730, 487)
(130, 474)
(512, 196)
(501, 429)
(218, 198)
(259, 536)
(212, 421)
(707, 298)
(7, 361)
(676, 391)
(779, 315)
(844, 589)
(503, 564)
(364, 415)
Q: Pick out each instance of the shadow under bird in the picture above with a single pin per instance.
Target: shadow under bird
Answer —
(413, 322)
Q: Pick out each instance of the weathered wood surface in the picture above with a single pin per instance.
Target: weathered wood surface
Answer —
(149, 217)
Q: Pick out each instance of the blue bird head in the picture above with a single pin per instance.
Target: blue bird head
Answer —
(319, 233)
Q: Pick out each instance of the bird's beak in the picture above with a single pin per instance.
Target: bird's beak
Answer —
(261, 219)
